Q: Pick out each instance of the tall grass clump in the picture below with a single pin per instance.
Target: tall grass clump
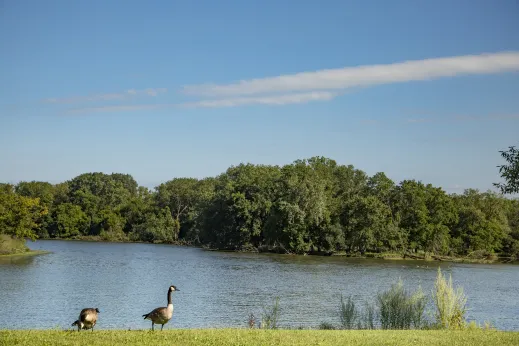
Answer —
(399, 309)
(348, 313)
(368, 317)
(269, 319)
(352, 317)
(326, 326)
(450, 303)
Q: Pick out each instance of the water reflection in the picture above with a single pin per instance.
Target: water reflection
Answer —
(18, 260)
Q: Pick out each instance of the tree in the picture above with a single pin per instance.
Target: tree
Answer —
(37, 189)
(311, 206)
(510, 171)
(483, 224)
(442, 215)
(69, 220)
(94, 192)
(368, 225)
(44, 191)
(410, 208)
(183, 196)
(135, 210)
(286, 229)
(158, 226)
(236, 215)
(380, 186)
(19, 215)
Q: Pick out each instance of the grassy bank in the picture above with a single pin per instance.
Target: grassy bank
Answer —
(13, 247)
(25, 254)
(257, 337)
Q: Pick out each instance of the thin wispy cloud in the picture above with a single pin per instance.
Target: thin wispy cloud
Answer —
(323, 85)
(120, 108)
(505, 116)
(367, 75)
(267, 100)
(418, 120)
(221, 103)
(108, 97)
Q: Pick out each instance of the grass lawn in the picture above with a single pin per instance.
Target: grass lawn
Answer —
(257, 337)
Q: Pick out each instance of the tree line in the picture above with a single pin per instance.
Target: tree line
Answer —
(311, 206)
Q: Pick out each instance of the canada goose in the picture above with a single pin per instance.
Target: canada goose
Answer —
(87, 319)
(163, 314)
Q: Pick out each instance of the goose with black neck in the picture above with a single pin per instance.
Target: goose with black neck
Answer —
(162, 315)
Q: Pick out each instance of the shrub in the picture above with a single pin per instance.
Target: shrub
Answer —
(450, 304)
(368, 317)
(348, 314)
(11, 245)
(400, 309)
(269, 320)
(326, 326)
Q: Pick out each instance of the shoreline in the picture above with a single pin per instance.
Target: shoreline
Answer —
(378, 256)
(26, 254)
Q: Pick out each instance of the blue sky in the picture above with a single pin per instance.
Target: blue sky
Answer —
(152, 88)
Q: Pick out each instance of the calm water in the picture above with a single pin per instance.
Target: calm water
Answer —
(220, 289)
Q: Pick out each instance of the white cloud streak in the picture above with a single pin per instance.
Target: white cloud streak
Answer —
(121, 108)
(368, 75)
(267, 100)
(418, 120)
(108, 97)
(222, 103)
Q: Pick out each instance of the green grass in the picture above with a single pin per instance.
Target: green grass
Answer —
(27, 253)
(257, 337)
(12, 246)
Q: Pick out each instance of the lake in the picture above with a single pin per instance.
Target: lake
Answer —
(221, 289)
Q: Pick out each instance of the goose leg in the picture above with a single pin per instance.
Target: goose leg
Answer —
(152, 323)
(161, 327)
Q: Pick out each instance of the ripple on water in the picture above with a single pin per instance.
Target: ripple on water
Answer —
(221, 289)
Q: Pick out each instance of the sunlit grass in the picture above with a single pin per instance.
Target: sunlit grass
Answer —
(25, 254)
(13, 247)
(450, 303)
(258, 337)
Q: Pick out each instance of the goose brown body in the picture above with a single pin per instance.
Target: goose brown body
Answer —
(161, 315)
(87, 319)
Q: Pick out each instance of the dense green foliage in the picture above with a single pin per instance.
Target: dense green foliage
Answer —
(12, 246)
(310, 206)
(246, 337)
(510, 171)
(20, 216)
